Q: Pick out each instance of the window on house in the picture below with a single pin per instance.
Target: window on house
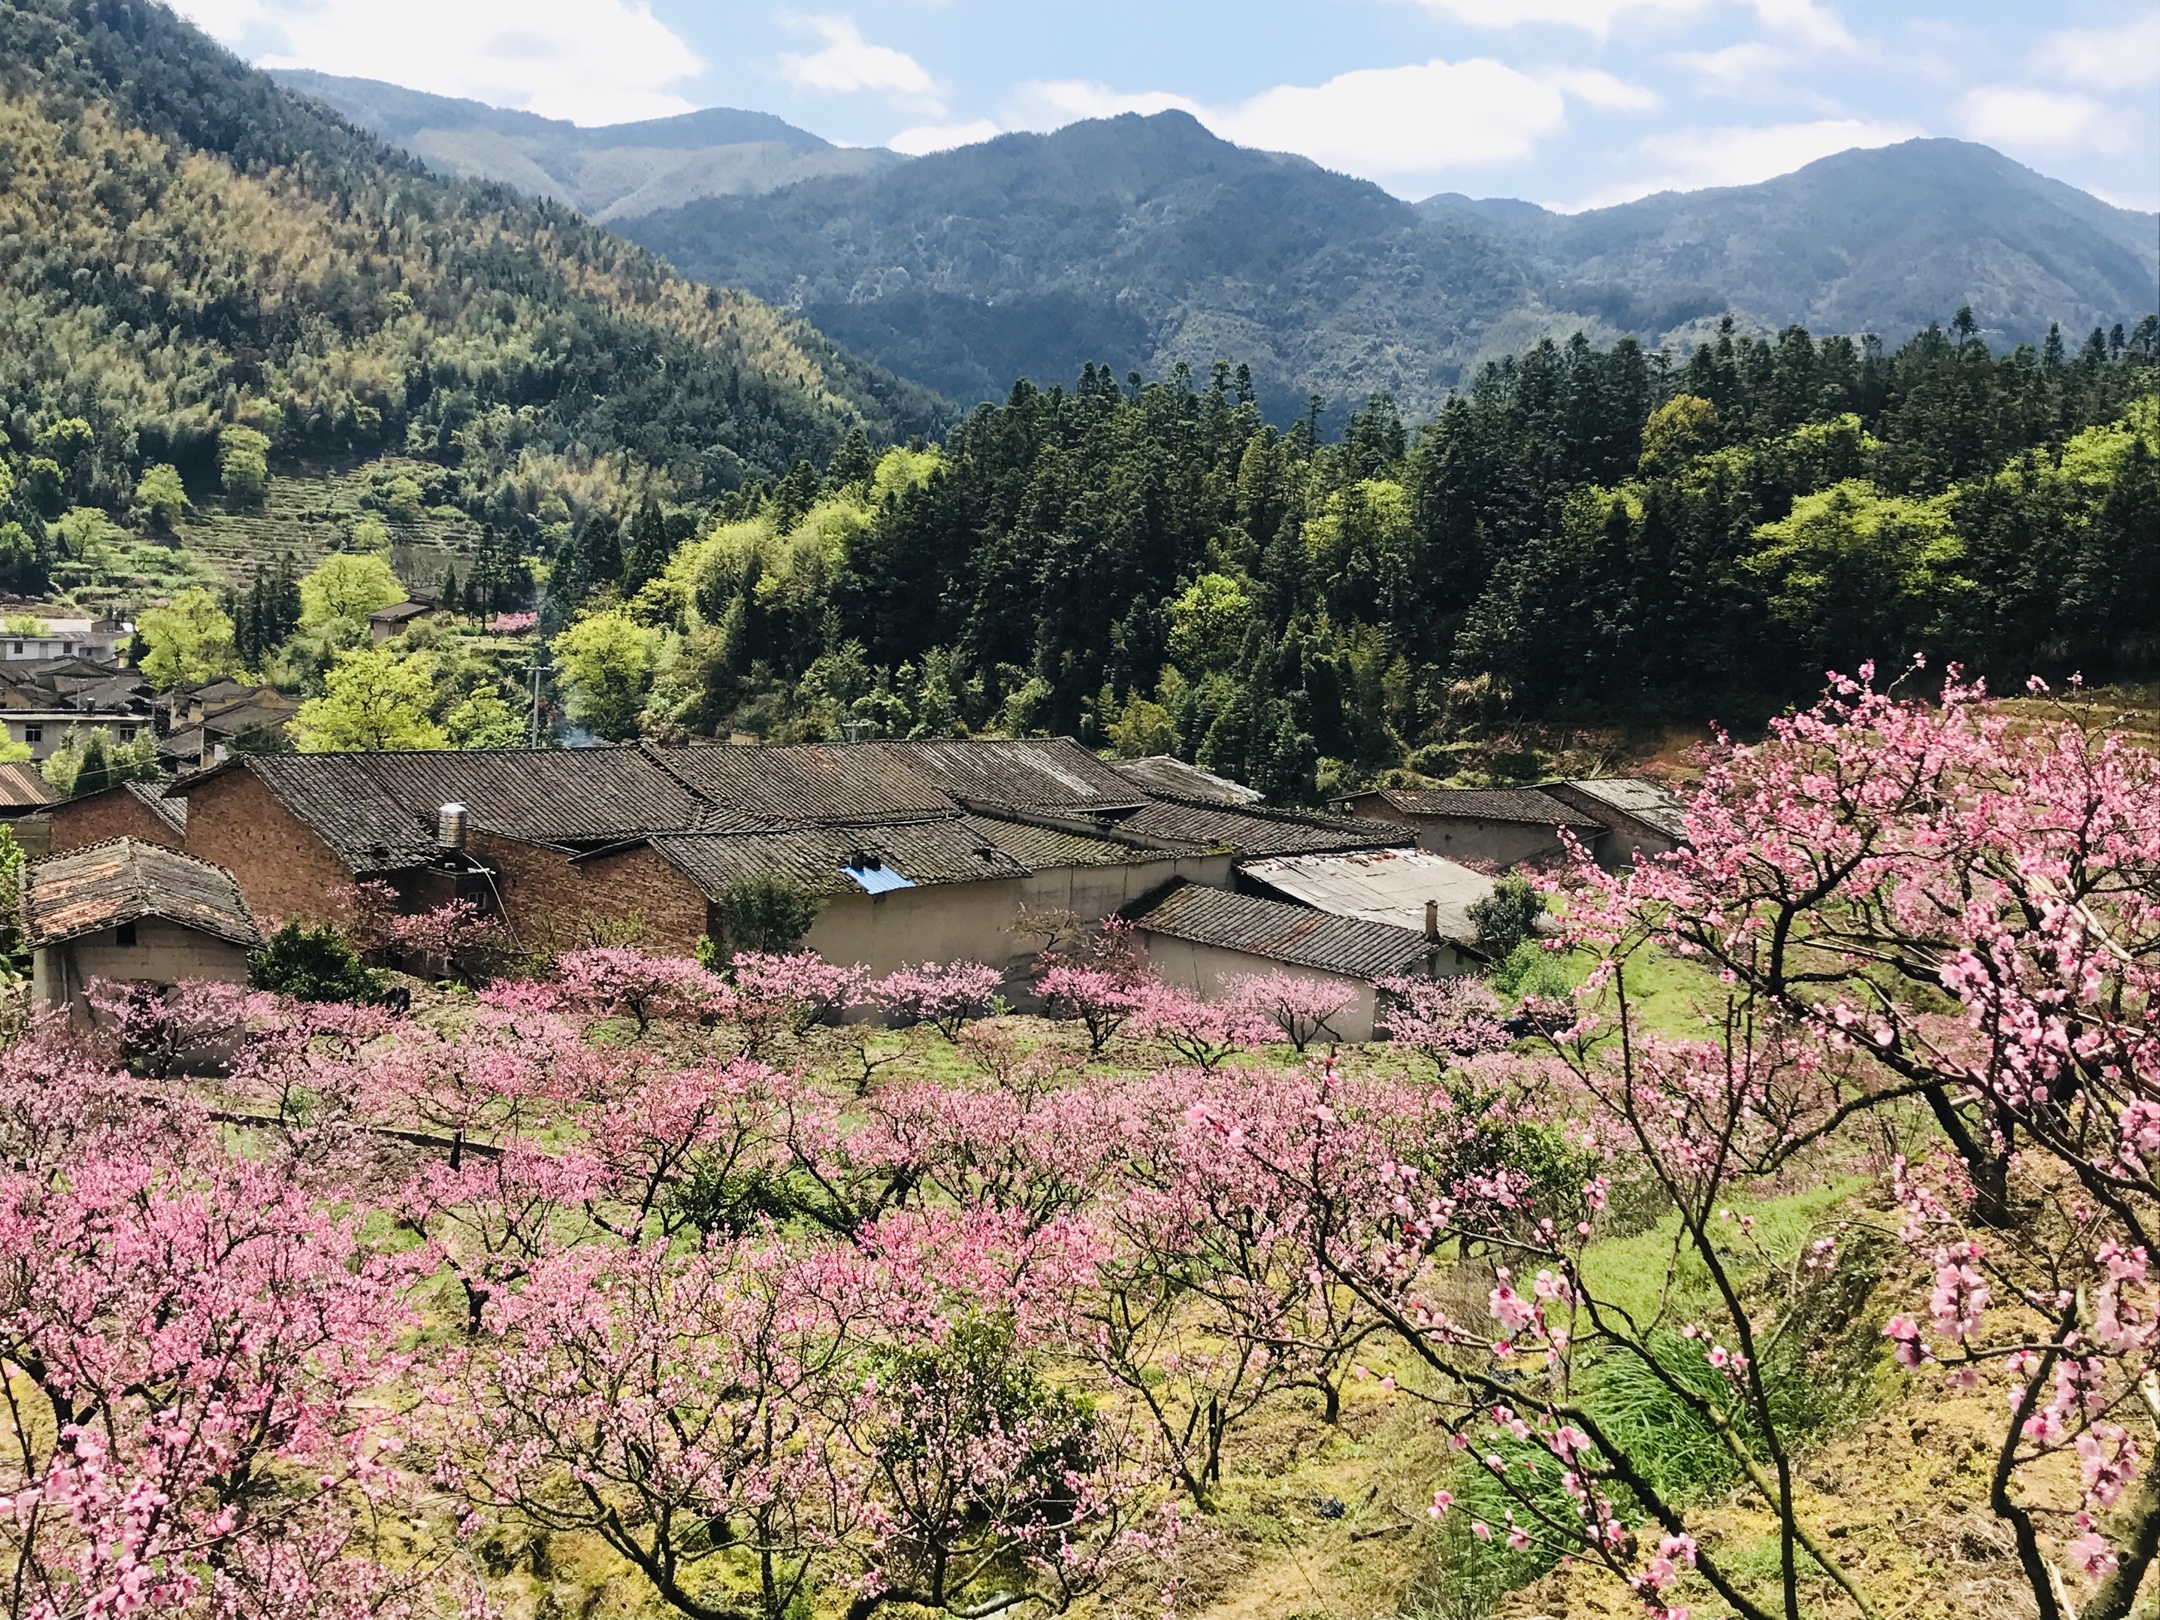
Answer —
(124, 934)
(18, 646)
(33, 734)
(127, 733)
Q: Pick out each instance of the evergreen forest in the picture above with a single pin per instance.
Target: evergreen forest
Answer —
(1582, 533)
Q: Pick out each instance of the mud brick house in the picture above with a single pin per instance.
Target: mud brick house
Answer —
(1639, 817)
(137, 810)
(916, 851)
(131, 913)
(1492, 826)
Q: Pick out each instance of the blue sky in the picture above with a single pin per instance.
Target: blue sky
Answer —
(1571, 103)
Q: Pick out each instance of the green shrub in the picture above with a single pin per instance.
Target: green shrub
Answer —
(1506, 918)
(765, 913)
(312, 964)
(1530, 970)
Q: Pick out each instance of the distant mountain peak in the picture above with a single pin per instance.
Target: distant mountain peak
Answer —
(610, 171)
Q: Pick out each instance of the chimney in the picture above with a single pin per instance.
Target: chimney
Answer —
(450, 828)
(1432, 920)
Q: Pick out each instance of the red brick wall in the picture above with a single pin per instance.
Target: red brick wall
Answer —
(115, 813)
(555, 905)
(285, 872)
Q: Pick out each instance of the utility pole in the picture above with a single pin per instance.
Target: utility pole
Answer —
(539, 653)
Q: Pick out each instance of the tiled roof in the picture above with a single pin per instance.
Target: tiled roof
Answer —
(1044, 773)
(1280, 932)
(923, 852)
(1647, 802)
(1488, 804)
(86, 891)
(173, 812)
(1039, 847)
(785, 787)
(377, 812)
(1166, 773)
(1253, 830)
(21, 785)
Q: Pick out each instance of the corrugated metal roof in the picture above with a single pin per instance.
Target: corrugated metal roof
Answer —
(1649, 803)
(21, 784)
(1166, 773)
(785, 787)
(923, 852)
(1382, 885)
(1257, 831)
(1488, 804)
(101, 886)
(1281, 932)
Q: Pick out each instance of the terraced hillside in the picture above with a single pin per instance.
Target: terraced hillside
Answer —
(315, 512)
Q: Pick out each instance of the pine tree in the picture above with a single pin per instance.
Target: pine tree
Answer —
(649, 550)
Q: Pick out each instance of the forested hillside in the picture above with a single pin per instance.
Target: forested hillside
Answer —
(1583, 533)
(1141, 242)
(191, 255)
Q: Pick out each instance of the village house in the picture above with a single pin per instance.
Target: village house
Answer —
(131, 913)
(916, 851)
(1404, 888)
(1639, 817)
(1203, 939)
(24, 790)
(42, 703)
(1498, 827)
(95, 639)
(138, 810)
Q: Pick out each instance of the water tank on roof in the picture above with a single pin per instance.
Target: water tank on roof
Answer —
(450, 822)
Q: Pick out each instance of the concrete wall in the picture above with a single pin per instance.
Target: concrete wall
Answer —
(285, 873)
(115, 813)
(938, 922)
(1202, 969)
(1091, 893)
(52, 730)
(163, 953)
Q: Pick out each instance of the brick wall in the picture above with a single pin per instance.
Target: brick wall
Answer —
(115, 813)
(285, 872)
(555, 904)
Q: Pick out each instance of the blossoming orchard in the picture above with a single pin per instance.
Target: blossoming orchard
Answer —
(766, 1289)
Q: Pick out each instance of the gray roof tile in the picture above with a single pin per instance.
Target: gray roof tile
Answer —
(1281, 932)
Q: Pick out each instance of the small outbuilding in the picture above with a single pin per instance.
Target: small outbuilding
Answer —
(1198, 938)
(131, 912)
(1639, 817)
(1405, 887)
(24, 790)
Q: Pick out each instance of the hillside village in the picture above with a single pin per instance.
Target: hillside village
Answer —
(1090, 870)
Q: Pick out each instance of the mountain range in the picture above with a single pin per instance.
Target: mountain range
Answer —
(610, 172)
(1142, 242)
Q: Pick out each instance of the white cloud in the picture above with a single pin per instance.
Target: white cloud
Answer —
(2042, 120)
(1806, 21)
(591, 61)
(925, 138)
(1378, 123)
(850, 64)
(2126, 58)
(1594, 87)
(1737, 155)
(1399, 121)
